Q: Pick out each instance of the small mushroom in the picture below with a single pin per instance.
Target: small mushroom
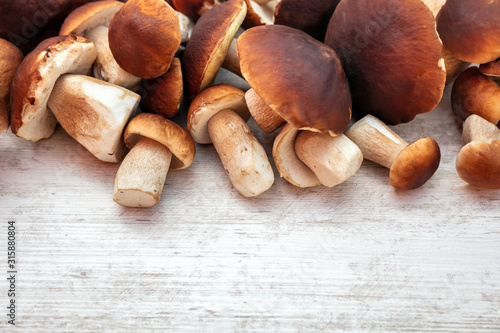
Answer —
(478, 162)
(476, 93)
(144, 36)
(31, 119)
(92, 22)
(491, 68)
(411, 165)
(94, 113)
(193, 8)
(218, 114)
(157, 145)
(209, 44)
(266, 117)
(391, 53)
(259, 12)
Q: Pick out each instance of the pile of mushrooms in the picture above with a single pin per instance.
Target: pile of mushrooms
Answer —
(326, 78)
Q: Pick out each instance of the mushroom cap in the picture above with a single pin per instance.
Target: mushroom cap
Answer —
(144, 36)
(310, 16)
(164, 94)
(26, 23)
(299, 77)
(391, 54)
(10, 59)
(259, 14)
(415, 164)
(164, 131)
(491, 68)
(35, 78)
(89, 16)
(476, 93)
(4, 116)
(191, 8)
(478, 163)
(210, 101)
(207, 48)
(471, 29)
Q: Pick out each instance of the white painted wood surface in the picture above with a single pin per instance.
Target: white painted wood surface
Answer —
(360, 257)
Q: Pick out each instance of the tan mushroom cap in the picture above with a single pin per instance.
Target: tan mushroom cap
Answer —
(35, 78)
(297, 76)
(415, 164)
(471, 29)
(210, 101)
(391, 54)
(192, 8)
(491, 68)
(207, 48)
(4, 117)
(89, 16)
(164, 131)
(164, 94)
(476, 93)
(144, 36)
(10, 59)
(259, 14)
(478, 163)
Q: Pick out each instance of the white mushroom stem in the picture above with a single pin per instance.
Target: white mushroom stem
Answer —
(377, 141)
(332, 159)
(232, 61)
(476, 128)
(105, 67)
(243, 157)
(265, 116)
(140, 179)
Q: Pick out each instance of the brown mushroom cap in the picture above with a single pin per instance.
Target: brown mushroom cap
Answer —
(415, 164)
(471, 29)
(476, 93)
(391, 54)
(210, 101)
(4, 116)
(478, 163)
(299, 77)
(164, 131)
(310, 16)
(164, 94)
(144, 36)
(89, 16)
(207, 48)
(491, 68)
(192, 8)
(10, 59)
(35, 79)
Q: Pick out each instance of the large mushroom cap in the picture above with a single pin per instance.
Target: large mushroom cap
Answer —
(471, 29)
(89, 16)
(10, 59)
(478, 163)
(297, 76)
(35, 78)
(164, 131)
(207, 48)
(192, 8)
(415, 164)
(391, 54)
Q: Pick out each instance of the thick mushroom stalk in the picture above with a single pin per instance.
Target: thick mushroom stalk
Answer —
(478, 162)
(411, 165)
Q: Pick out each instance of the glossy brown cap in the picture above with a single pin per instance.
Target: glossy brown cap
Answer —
(208, 103)
(35, 78)
(4, 117)
(471, 29)
(164, 94)
(415, 164)
(192, 8)
(478, 163)
(391, 54)
(297, 76)
(476, 93)
(491, 68)
(144, 36)
(10, 59)
(207, 48)
(172, 135)
(310, 16)
(89, 16)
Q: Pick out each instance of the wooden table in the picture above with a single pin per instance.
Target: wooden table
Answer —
(359, 257)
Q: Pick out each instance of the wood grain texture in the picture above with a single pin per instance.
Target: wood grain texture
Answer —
(359, 257)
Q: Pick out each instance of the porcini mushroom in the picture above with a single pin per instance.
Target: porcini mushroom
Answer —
(471, 29)
(209, 44)
(31, 119)
(391, 53)
(476, 93)
(411, 165)
(218, 114)
(478, 162)
(144, 36)
(10, 59)
(94, 113)
(491, 68)
(259, 12)
(193, 8)
(157, 145)
(92, 22)
(4, 117)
